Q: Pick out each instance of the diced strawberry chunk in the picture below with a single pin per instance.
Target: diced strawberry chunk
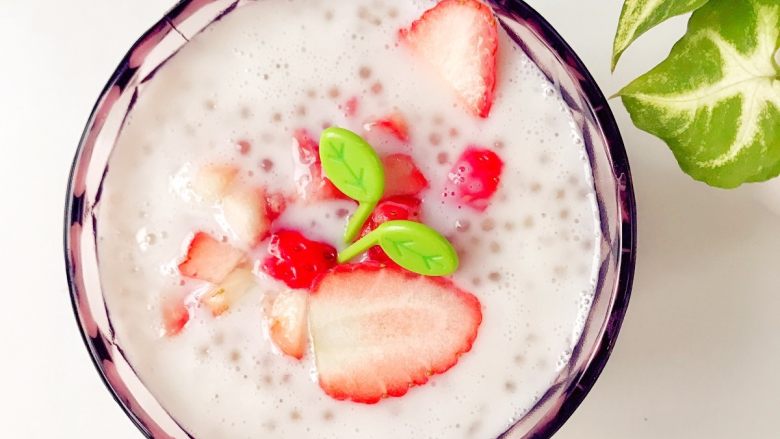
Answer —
(390, 209)
(377, 331)
(402, 176)
(212, 182)
(287, 322)
(223, 296)
(474, 178)
(459, 40)
(297, 260)
(246, 212)
(208, 259)
(311, 182)
(175, 314)
(396, 125)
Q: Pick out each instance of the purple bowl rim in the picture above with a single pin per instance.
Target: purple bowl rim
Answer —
(619, 166)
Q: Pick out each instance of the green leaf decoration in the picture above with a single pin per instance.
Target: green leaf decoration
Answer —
(412, 245)
(639, 16)
(355, 169)
(716, 99)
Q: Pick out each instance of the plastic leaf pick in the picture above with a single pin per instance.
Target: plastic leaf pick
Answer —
(352, 165)
(414, 246)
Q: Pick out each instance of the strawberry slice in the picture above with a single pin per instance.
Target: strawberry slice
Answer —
(395, 124)
(175, 314)
(402, 176)
(389, 209)
(223, 296)
(312, 183)
(378, 331)
(287, 322)
(208, 259)
(297, 260)
(475, 177)
(459, 39)
(212, 182)
(246, 212)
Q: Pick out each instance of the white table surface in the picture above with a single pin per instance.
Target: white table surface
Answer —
(699, 353)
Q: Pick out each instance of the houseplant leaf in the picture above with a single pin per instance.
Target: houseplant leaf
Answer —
(716, 99)
(639, 16)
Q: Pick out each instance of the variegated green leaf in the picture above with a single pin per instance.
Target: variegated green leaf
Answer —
(716, 99)
(639, 16)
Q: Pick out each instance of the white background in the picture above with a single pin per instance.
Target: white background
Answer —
(699, 353)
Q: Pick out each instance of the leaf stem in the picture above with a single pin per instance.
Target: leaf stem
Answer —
(360, 246)
(357, 220)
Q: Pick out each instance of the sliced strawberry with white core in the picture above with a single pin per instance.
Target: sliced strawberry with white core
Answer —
(220, 298)
(212, 182)
(287, 322)
(459, 39)
(309, 178)
(208, 259)
(246, 214)
(377, 331)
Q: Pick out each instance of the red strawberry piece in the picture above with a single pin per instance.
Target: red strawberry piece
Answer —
(175, 314)
(396, 125)
(475, 177)
(377, 331)
(459, 39)
(287, 322)
(208, 259)
(402, 176)
(312, 184)
(297, 260)
(389, 209)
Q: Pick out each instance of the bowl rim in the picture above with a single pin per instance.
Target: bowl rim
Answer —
(619, 164)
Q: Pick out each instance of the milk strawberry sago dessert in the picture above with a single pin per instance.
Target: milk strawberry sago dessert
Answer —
(368, 219)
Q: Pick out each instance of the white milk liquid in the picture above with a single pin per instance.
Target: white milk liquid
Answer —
(275, 66)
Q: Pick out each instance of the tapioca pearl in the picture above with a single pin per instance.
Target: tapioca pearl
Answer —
(560, 194)
(269, 425)
(488, 224)
(301, 110)
(510, 387)
(267, 380)
(365, 72)
(462, 225)
(266, 165)
(442, 158)
(203, 352)
(334, 92)
(454, 133)
(327, 415)
(476, 281)
(564, 214)
(435, 139)
(276, 117)
(243, 147)
(494, 276)
(210, 104)
(246, 113)
(495, 247)
(499, 144)
(329, 15)
(535, 187)
(377, 88)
